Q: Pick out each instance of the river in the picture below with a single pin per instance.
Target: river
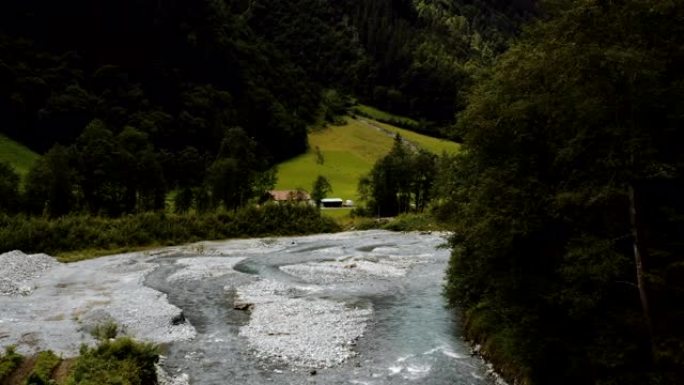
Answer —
(368, 303)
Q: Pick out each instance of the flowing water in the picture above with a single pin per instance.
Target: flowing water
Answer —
(410, 337)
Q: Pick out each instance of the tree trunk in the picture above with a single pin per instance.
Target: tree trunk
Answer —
(640, 257)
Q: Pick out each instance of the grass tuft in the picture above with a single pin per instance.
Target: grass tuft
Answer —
(105, 331)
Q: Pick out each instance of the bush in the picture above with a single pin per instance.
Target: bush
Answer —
(45, 363)
(414, 222)
(105, 331)
(121, 362)
(369, 223)
(9, 362)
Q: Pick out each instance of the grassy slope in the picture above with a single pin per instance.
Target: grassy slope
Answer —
(382, 115)
(434, 145)
(349, 152)
(20, 157)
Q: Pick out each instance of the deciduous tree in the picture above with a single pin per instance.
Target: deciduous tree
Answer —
(321, 188)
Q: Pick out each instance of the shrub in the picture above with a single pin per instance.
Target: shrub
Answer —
(414, 222)
(105, 331)
(45, 363)
(9, 362)
(121, 362)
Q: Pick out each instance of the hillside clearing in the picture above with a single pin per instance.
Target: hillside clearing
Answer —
(349, 152)
(380, 115)
(17, 155)
(434, 145)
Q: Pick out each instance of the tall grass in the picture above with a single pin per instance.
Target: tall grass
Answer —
(83, 232)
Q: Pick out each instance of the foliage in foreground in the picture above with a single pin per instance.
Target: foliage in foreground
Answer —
(9, 362)
(568, 204)
(79, 232)
(105, 331)
(46, 362)
(117, 362)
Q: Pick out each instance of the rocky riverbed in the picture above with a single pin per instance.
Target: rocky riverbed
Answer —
(358, 307)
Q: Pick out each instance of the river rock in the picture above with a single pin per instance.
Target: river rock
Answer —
(178, 319)
(243, 306)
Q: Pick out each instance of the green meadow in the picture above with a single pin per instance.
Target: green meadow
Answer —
(434, 145)
(386, 120)
(348, 152)
(376, 114)
(17, 155)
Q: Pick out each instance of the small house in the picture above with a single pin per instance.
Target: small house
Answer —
(289, 196)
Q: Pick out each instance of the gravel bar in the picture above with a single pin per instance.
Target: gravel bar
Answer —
(303, 332)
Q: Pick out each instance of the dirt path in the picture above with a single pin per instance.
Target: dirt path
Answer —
(413, 146)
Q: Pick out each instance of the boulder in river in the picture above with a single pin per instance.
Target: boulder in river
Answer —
(178, 319)
(243, 306)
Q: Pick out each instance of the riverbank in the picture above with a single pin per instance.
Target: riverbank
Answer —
(493, 341)
(71, 235)
(80, 237)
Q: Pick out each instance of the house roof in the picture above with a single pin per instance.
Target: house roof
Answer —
(286, 195)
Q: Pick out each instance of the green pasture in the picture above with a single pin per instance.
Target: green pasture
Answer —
(349, 152)
(434, 145)
(376, 114)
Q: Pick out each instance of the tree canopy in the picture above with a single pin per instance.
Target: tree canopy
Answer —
(568, 206)
(399, 182)
(149, 88)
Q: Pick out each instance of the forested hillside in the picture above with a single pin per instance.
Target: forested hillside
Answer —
(160, 83)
